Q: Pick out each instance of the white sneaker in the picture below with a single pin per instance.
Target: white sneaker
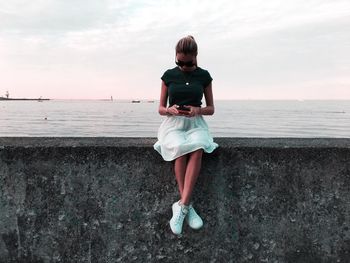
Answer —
(193, 219)
(179, 213)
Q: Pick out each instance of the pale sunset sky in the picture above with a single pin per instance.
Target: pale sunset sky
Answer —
(254, 49)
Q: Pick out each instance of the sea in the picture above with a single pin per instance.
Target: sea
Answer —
(124, 118)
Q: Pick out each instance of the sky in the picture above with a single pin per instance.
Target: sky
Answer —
(253, 49)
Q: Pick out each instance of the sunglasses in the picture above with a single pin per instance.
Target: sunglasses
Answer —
(184, 63)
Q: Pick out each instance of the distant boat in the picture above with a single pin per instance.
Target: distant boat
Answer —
(8, 98)
(150, 101)
(135, 101)
(39, 99)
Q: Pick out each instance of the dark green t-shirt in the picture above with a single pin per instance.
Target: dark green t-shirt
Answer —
(181, 94)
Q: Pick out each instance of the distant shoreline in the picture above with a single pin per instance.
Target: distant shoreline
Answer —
(2, 98)
(157, 100)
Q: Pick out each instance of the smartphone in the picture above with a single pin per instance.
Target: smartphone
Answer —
(183, 108)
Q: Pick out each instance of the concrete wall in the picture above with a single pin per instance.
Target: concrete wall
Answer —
(109, 200)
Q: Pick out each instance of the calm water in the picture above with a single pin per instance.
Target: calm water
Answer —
(122, 118)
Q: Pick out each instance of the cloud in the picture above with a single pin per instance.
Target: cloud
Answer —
(249, 43)
(51, 17)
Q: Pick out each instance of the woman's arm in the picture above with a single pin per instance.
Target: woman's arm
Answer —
(163, 100)
(163, 110)
(208, 94)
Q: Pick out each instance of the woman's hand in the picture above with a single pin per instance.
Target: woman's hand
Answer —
(193, 111)
(173, 110)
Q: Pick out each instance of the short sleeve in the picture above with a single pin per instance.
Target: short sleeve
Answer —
(207, 79)
(165, 78)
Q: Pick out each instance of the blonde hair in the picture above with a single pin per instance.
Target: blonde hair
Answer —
(187, 45)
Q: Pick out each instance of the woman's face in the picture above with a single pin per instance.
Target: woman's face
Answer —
(186, 62)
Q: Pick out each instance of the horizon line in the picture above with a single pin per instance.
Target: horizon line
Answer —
(217, 99)
(147, 99)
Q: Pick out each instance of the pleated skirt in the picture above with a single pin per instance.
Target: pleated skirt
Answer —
(179, 135)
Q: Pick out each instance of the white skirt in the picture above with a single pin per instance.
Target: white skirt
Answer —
(179, 135)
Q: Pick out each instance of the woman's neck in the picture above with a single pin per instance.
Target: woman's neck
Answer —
(188, 70)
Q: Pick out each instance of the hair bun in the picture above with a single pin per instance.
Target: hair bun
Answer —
(189, 36)
(187, 45)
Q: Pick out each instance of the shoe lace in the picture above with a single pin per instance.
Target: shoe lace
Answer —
(191, 212)
(181, 215)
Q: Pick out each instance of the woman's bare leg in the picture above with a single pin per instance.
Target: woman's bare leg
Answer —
(180, 170)
(192, 172)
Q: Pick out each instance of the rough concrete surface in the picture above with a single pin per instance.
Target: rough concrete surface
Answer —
(109, 200)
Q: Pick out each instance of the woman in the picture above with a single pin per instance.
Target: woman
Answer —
(184, 134)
